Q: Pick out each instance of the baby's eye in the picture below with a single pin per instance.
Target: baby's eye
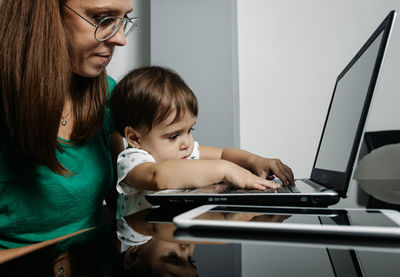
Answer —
(173, 137)
(191, 130)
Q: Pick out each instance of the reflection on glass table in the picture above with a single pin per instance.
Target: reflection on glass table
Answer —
(161, 252)
(323, 227)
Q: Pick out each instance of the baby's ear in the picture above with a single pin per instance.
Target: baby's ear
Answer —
(131, 257)
(132, 136)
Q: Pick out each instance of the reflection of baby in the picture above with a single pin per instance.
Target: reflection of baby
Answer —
(128, 236)
(156, 255)
(157, 258)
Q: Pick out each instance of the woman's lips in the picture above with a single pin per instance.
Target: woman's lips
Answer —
(104, 58)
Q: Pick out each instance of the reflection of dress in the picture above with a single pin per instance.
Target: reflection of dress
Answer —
(131, 200)
(128, 236)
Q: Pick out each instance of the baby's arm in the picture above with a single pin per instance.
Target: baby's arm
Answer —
(193, 173)
(261, 166)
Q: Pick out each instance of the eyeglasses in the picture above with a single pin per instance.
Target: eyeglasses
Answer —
(109, 25)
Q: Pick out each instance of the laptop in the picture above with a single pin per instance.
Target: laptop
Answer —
(338, 147)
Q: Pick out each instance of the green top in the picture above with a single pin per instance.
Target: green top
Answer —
(37, 204)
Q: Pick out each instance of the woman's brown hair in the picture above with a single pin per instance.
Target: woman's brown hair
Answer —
(36, 78)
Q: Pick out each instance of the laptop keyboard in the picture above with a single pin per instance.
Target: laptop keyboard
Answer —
(288, 188)
(223, 188)
(283, 189)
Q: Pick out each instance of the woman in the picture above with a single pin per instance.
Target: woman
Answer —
(56, 144)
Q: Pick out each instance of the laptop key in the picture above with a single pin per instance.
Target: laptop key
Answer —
(284, 189)
(293, 189)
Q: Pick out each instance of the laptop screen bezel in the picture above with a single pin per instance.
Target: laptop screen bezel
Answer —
(335, 180)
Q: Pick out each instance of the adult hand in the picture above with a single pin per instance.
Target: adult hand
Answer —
(269, 168)
(242, 178)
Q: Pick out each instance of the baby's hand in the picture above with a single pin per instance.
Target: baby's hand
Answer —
(242, 178)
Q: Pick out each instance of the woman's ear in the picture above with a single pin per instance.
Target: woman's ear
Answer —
(132, 136)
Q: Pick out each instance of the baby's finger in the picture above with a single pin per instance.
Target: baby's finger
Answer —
(270, 184)
(256, 186)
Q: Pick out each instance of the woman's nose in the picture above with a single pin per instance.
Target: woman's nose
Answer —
(118, 38)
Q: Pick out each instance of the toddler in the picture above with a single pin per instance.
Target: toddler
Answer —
(155, 111)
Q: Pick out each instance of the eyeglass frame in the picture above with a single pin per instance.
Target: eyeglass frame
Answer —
(97, 26)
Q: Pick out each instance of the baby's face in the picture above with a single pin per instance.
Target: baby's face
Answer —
(169, 258)
(167, 141)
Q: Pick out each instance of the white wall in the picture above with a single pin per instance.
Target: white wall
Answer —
(198, 40)
(290, 53)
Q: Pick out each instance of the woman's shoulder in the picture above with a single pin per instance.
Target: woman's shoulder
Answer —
(111, 82)
(109, 124)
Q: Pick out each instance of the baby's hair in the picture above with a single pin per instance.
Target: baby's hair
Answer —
(148, 95)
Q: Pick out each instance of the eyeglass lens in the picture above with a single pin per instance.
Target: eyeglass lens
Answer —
(108, 26)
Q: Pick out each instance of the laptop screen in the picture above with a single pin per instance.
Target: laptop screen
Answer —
(347, 113)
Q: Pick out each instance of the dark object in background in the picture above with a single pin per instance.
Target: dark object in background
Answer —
(374, 140)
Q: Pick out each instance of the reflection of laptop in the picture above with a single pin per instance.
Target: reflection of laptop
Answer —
(338, 147)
